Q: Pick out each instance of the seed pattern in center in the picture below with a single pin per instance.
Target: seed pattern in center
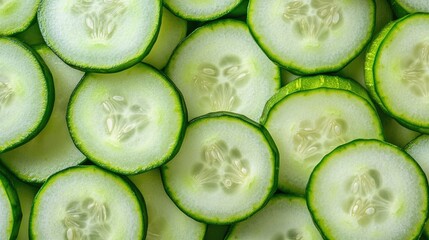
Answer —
(6, 94)
(220, 167)
(123, 120)
(315, 138)
(416, 71)
(218, 83)
(314, 19)
(87, 220)
(291, 234)
(367, 200)
(101, 17)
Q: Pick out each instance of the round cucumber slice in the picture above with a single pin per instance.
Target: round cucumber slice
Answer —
(99, 35)
(11, 214)
(17, 15)
(219, 67)
(26, 94)
(284, 217)
(225, 171)
(86, 202)
(307, 124)
(127, 122)
(197, 10)
(311, 36)
(368, 189)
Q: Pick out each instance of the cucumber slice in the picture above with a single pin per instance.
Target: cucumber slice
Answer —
(219, 67)
(309, 122)
(52, 149)
(401, 63)
(368, 189)
(99, 35)
(127, 122)
(197, 10)
(311, 36)
(404, 7)
(225, 171)
(86, 202)
(26, 94)
(166, 221)
(284, 217)
(11, 214)
(173, 30)
(16, 16)
(26, 194)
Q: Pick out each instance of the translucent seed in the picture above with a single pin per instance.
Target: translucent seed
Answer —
(370, 211)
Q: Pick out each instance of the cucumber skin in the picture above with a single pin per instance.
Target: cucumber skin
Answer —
(398, 9)
(50, 98)
(6, 179)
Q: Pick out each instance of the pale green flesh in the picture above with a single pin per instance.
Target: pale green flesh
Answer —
(412, 6)
(224, 171)
(87, 200)
(284, 217)
(368, 189)
(128, 122)
(52, 149)
(6, 215)
(172, 31)
(307, 125)
(198, 10)
(166, 221)
(16, 15)
(220, 68)
(313, 29)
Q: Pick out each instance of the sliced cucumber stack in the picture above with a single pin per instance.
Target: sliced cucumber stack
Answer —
(52, 149)
(197, 10)
(128, 122)
(311, 116)
(368, 189)
(166, 221)
(284, 217)
(225, 171)
(311, 36)
(398, 68)
(10, 215)
(98, 35)
(26, 94)
(87, 202)
(16, 16)
(219, 67)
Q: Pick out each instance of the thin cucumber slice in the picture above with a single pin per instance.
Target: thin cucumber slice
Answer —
(368, 189)
(166, 221)
(400, 70)
(219, 67)
(17, 15)
(26, 94)
(98, 35)
(10, 214)
(172, 31)
(87, 202)
(307, 124)
(225, 171)
(197, 10)
(52, 149)
(127, 122)
(311, 36)
(404, 7)
(284, 217)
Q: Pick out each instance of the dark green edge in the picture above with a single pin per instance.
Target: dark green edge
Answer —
(276, 197)
(127, 183)
(413, 142)
(159, 162)
(302, 70)
(210, 17)
(317, 220)
(132, 60)
(239, 11)
(400, 118)
(399, 9)
(275, 154)
(25, 26)
(31, 35)
(7, 180)
(50, 98)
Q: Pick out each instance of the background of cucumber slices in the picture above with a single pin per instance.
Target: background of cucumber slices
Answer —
(170, 34)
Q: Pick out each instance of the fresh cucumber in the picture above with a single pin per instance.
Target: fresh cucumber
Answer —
(225, 171)
(26, 194)
(311, 36)
(219, 67)
(11, 214)
(26, 94)
(16, 16)
(197, 10)
(404, 7)
(86, 202)
(99, 35)
(128, 122)
(311, 116)
(368, 189)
